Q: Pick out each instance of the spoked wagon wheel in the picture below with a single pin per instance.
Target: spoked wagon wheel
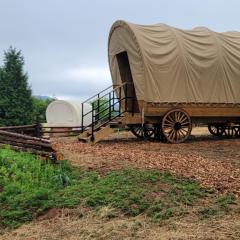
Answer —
(216, 129)
(176, 126)
(142, 131)
(228, 131)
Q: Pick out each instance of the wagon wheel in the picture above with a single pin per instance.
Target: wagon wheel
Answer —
(176, 126)
(141, 131)
(215, 130)
(228, 131)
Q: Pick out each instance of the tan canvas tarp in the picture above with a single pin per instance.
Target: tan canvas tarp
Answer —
(173, 65)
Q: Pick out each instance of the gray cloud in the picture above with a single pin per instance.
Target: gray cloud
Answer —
(65, 42)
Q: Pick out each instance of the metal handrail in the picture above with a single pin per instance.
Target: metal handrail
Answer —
(98, 98)
(113, 98)
(87, 100)
(114, 89)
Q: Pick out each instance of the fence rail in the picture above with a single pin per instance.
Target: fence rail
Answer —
(37, 130)
(60, 131)
(25, 129)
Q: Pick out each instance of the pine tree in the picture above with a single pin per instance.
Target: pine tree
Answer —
(16, 104)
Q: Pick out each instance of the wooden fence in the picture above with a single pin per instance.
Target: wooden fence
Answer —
(34, 138)
(27, 143)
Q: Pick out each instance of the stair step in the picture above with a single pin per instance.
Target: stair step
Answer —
(84, 139)
(101, 130)
(115, 123)
(104, 132)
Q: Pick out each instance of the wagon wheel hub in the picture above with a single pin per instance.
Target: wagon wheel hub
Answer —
(176, 126)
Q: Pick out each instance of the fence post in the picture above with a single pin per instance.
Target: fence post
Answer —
(38, 127)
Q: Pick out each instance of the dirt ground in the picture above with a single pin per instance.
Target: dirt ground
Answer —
(213, 162)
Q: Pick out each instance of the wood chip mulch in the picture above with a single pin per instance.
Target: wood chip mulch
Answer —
(215, 173)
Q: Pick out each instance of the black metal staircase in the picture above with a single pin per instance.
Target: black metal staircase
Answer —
(107, 105)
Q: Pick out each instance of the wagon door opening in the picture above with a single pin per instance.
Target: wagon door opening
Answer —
(126, 77)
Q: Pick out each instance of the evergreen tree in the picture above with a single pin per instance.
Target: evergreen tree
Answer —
(16, 104)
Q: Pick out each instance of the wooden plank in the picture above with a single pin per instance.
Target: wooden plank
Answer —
(24, 141)
(17, 135)
(24, 149)
(132, 119)
(62, 131)
(197, 111)
(49, 127)
(27, 146)
(18, 127)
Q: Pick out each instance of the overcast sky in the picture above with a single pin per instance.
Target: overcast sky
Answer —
(64, 42)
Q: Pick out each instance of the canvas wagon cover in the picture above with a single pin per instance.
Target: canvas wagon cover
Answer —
(173, 65)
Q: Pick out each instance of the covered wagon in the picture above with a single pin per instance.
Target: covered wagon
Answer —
(67, 114)
(167, 79)
(64, 118)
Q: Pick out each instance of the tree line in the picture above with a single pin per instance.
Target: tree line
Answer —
(17, 105)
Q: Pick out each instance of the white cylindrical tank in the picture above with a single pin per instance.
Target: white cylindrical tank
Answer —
(68, 114)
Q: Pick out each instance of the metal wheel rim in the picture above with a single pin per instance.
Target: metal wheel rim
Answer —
(176, 126)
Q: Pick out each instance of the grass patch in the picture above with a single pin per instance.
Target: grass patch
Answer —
(28, 187)
(221, 205)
